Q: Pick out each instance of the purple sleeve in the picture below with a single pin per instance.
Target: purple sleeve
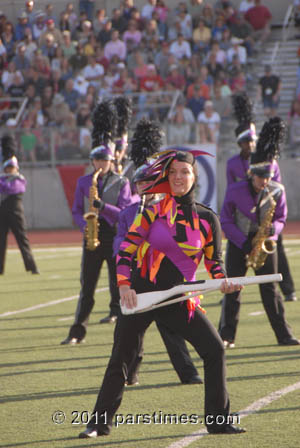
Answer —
(122, 230)
(229, 174)
(277, 174)
(78, 206)
(280, 216)
(12, 184)
(111, 212)
(227, 218)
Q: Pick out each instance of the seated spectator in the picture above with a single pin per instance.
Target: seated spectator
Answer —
(50, 29)
(223, 83)
(220, 54)
(204, 89)
(221, 103)
(205, 75)
(29, 9)
(237, 50)
(196, 102)
(151, 31)
(132, 33)
(125, 84)
(56, 81)
(79, 60)
(16, 89)
(238, 82)
(49, 47)
(192, 70)
(148, 9)
(41, 63)
(2, 50)
(30, 93)
(185, 21)
(72, 16)
(214, 68)
(28, 142)
(175, 80)
(22, 24)
(139, 66)
(9, 74)
(8, 40)
(259, 17)
(208, 15)
(220, 5)
(181, 48)
(226, 43)
(105, 33)
(245, 5)
(180, 123)
(201, 37)
(64, 24)
(39, 26)
(115, 47)
(100, 58)
(21, 61)
(162, 10)
(68, 46)
(66, 70)
(83, 35)
(71, 95)
(93, 72)
(209, 124)
(162, 27)
(99, 20)
(119, 21)
(59, 111)
(81, 85)
(242, 29)
(30, 45)
(161, 59)
(89, 48)
(152, 81)
(218, 29)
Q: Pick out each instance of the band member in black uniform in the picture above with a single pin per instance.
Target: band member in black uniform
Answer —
(253, 215)
(237, 169)
(12, 188)
(111, 194)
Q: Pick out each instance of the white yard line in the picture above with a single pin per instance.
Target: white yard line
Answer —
(251, 409)
(45, 305)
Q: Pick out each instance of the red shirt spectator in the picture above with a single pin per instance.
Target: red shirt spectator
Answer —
(152, 81)
(258, 16)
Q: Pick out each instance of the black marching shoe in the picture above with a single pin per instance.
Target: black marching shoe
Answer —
(108, 320)
(35, 271)
(89, 433)
(289, 341)
(195, 379)
(228, 429)
(72, 341)
(291, 297)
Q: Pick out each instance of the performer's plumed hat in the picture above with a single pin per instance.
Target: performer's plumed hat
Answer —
(267, 147)
(8, 148)
(242, 108)
(104, 121)
(124, 113)
(146, 141)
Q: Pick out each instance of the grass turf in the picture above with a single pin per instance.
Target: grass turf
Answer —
(39, 376)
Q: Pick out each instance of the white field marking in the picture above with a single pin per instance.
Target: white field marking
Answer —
(51, 249)
(251, 409)
(55, 277)
(45, 305)
(62, 319)
(256, 313)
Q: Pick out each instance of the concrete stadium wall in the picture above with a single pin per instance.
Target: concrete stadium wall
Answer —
(46, 206)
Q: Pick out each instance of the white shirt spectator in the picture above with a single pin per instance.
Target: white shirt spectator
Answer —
(147, 11)
(239, 51)
(81, 85)
(117, 48)
(245, 5)
(210, 121)
(91, 71)
(181, 49)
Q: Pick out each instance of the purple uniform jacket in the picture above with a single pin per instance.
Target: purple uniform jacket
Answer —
(12, 184)
(110, 212)
(126, 218)
(237, 168)
(237, 218)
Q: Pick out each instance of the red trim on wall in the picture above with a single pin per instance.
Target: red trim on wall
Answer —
(69, 175)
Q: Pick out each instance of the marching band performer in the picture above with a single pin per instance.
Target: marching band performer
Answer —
(256, 210)
(237, 169)
(12, 188)
(113, 194)
(146, 141)
(170, 238)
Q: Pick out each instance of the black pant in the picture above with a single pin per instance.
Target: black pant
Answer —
(272, 302)
(14, 220)
(286, 285)
(177, 351)
(91, 265)
(129, 332)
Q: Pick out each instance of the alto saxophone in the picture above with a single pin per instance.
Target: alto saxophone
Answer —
(262, 245)
(92, 224)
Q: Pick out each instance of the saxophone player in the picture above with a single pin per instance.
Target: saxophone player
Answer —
(114, 194)
(255, 210)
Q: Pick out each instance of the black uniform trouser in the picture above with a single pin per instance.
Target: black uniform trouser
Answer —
(287, 284)
(177, 351)
(14, 220)
(91, 265)
(272, 301)
(129, 332)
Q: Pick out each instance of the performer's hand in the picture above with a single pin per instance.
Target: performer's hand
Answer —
(228, 287)
(98, 203)
(128, 296)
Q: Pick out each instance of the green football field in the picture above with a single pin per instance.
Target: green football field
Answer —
(44, 383)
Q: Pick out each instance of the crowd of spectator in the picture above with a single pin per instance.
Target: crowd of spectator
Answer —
(64, 63)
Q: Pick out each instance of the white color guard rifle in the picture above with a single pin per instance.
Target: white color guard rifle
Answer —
(151, 300)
